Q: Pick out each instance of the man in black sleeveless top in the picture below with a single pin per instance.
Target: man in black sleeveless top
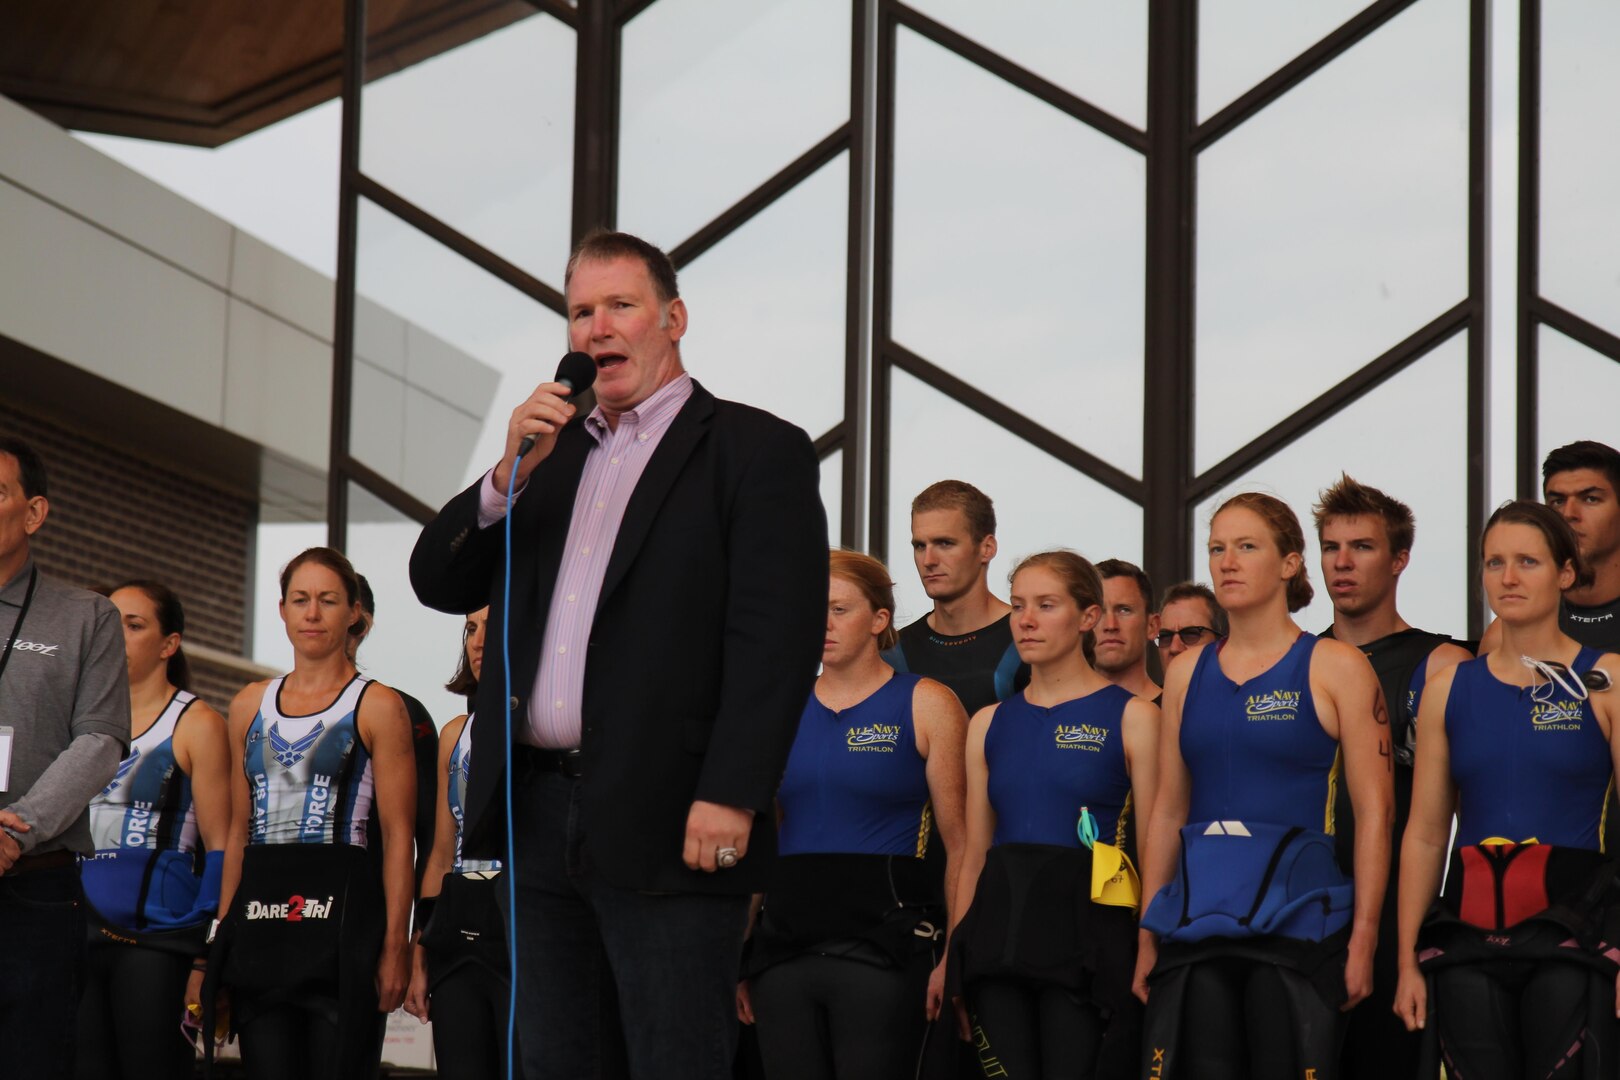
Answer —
(1580, 481)
(1366, 539)
(966, 641)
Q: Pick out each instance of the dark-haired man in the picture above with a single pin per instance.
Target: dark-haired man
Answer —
(64, 727)
(1366, 539)
(668, 607)
(1189, 615)
(1581, 482)
(1128, 624)
(966, 641)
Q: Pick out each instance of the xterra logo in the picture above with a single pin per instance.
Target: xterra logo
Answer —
(296, 909)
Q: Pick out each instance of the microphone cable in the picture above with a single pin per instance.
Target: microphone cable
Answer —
(577, 372)
(511, 843)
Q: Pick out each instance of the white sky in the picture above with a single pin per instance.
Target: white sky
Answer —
(1331, 226)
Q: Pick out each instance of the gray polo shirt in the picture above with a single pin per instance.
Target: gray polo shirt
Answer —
(66, 678)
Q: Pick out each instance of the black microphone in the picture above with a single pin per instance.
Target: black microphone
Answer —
(576, 371)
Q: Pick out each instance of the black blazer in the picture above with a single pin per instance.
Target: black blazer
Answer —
(704, 649)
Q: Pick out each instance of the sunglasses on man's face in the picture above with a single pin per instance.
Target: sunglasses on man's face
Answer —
(1190, 635)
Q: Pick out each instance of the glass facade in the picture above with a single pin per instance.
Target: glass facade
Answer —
(1110, 271)
(1569, 230)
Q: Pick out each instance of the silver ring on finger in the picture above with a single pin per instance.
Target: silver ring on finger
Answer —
(725, 857)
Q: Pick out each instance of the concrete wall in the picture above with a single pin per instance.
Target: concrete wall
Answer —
(119, 276)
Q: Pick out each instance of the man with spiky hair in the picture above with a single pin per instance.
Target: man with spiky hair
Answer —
(1366, 539)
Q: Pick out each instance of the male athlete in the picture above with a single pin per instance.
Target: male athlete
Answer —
(1128, 624)
(966, 641)
(1581, 482)
(1366, 540)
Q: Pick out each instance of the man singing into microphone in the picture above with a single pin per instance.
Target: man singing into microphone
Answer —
(669, 586)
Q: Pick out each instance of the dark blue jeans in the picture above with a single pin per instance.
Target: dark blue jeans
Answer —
(42, 947)
(614, 982)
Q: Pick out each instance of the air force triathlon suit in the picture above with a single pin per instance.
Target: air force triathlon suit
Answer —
(460, 768)
(310, 776)
(306, 923)
(152, 894)
(839, 964)
(1250, 972)
(1046, 971)
(146, 871)
(1519, 950)
(468, 968)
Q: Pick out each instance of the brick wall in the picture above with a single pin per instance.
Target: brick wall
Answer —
(115, 516)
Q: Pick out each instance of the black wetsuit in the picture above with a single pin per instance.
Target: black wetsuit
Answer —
(465, 941)
(1377, 1045)
(1250, 996)
(1596, 627)
(1522, 977)
(1046, 971)
(425, 745)
(981, 668)
(298, 950)
(840, 959)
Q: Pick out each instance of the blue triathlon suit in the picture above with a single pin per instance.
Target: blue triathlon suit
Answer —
(1257, 752)
(1047, 763)
(855, 783)
(460, 775)
(1529, 763)
(145, 873)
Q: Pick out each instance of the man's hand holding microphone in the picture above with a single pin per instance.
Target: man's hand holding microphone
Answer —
(532, 433)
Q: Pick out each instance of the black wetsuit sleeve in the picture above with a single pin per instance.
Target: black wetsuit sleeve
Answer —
(425, 742)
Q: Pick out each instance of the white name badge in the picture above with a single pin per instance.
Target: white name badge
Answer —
(5, 758)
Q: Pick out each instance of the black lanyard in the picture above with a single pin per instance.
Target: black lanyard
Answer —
(28, 601)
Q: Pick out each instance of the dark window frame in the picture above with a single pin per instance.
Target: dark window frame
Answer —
(1169, 489)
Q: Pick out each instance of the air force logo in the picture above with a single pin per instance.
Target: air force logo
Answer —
(291, 753)
(123, 771)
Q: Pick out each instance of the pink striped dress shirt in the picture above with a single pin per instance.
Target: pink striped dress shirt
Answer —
(612, 468)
